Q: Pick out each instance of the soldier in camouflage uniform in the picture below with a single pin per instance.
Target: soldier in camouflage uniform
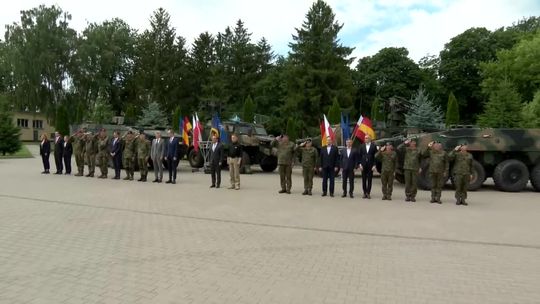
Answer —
(309, 157)
(90, 145)
(129, 155)
(143, 153)
(388, 157)
(438, 168)
(103, 153)
(77, 140)
(285, 155)
(462, 171)
(411, 168)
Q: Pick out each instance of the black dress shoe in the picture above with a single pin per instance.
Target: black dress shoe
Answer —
(351, 195)
(288, 192)
(331, 194)
(368, 196)
(44, 172)
(173, 182)
(344, 195)
(364, 196)
(155, 181)
(324, 194)
(281, 191)
(168, 182)
(212, 186)
(217, 186)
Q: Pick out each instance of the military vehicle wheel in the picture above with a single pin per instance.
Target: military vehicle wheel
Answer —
(535, 177)
(400, 178)
(479, 176)
(423, 178)
(511, 175)
(245, 166)
(269, 163)
(195, 159)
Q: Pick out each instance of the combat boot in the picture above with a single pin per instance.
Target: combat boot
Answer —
(143, 178)
(305, 192)
(464, 203)
(309, 192)
(90, 175)
(127, 177)
(140, 179)
(407, 199)
(413, 199)
(458, 201)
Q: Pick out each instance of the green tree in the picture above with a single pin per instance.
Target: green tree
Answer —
(318, 67)
(249, 110)
(531, 113)
(61, 123)
(504, 108)
(39, 50)
(9, 132)
(152, 115)
(376, 110)
(130, 117)
(102, 112)
(334, 113)
(423, 113)
(452, 110)
(292, 129)
(389, 73)
(176, 119)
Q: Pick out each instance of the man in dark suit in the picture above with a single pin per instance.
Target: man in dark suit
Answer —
(349, 163)
(58, 152)
(367, 165)
(215, 158)
(67, 152)
(171, 156)
(116, 154)
(329, 166)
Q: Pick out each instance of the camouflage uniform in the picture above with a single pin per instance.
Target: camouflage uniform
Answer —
(309, 161)
(462, 171)
(90, 144)
(285, 154)
(438, 166)
(389, 165)
(143, 152)
(78, 150)
(129, 158)
(411, 165)
(103, 156)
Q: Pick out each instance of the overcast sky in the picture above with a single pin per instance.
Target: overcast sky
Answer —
(422, 26)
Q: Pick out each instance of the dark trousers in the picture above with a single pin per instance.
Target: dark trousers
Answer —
(328, 174)
(367, 176)
(67, 163)
(58, 163)
(348, 175)
(215, 172)
(172, 165)
(117, 164)
(46, 164)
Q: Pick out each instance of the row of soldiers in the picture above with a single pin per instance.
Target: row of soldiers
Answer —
(350, 161)
(98, 149)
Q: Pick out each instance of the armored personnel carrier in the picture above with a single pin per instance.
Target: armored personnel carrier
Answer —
(510, 156)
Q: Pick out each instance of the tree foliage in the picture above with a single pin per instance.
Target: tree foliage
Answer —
(423, 114)
(62, 120)
(152, 115)
(531, 113)
(504, 108)
(292, 129)
(452, 110)
(249, 110)
(101, 112)
(334, 113)
(376, 110)
(9, 132)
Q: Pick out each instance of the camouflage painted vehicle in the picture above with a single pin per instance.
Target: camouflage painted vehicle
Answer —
(255, 141)
(510, 156)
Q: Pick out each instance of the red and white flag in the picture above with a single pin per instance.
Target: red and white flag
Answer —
(197, 132)
(326, 131)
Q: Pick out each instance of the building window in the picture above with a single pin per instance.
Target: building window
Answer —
(37, 124)
(22, 123)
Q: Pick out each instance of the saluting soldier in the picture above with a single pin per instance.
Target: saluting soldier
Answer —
(387, 156)
(143, 152)
(462, 172)
(90, 145)
(411, 168)
(78, 142)
(438, 168)
(309, 157)
(285, 154)
(103, 153)
(129, 155)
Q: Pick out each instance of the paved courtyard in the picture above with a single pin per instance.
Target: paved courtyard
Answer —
(66, 239)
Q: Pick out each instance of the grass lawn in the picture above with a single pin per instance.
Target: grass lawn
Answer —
(22, 153)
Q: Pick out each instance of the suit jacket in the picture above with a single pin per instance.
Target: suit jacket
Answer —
(158, 150)
(115, 147)
(68, 149)
(349, 162)
(58, 147)
(171, 150)
(45, 148)
(216, 156)
(329, 160)
(367, 158)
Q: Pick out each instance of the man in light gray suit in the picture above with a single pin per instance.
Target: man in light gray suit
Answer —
(156, 153)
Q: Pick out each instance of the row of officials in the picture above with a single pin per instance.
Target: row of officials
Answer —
(129, 149)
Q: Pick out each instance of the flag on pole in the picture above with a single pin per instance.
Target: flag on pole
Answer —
(326, 131)
(345, 129)
(197, 132)
(219, 129)
(363, 127)
(185, 127)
